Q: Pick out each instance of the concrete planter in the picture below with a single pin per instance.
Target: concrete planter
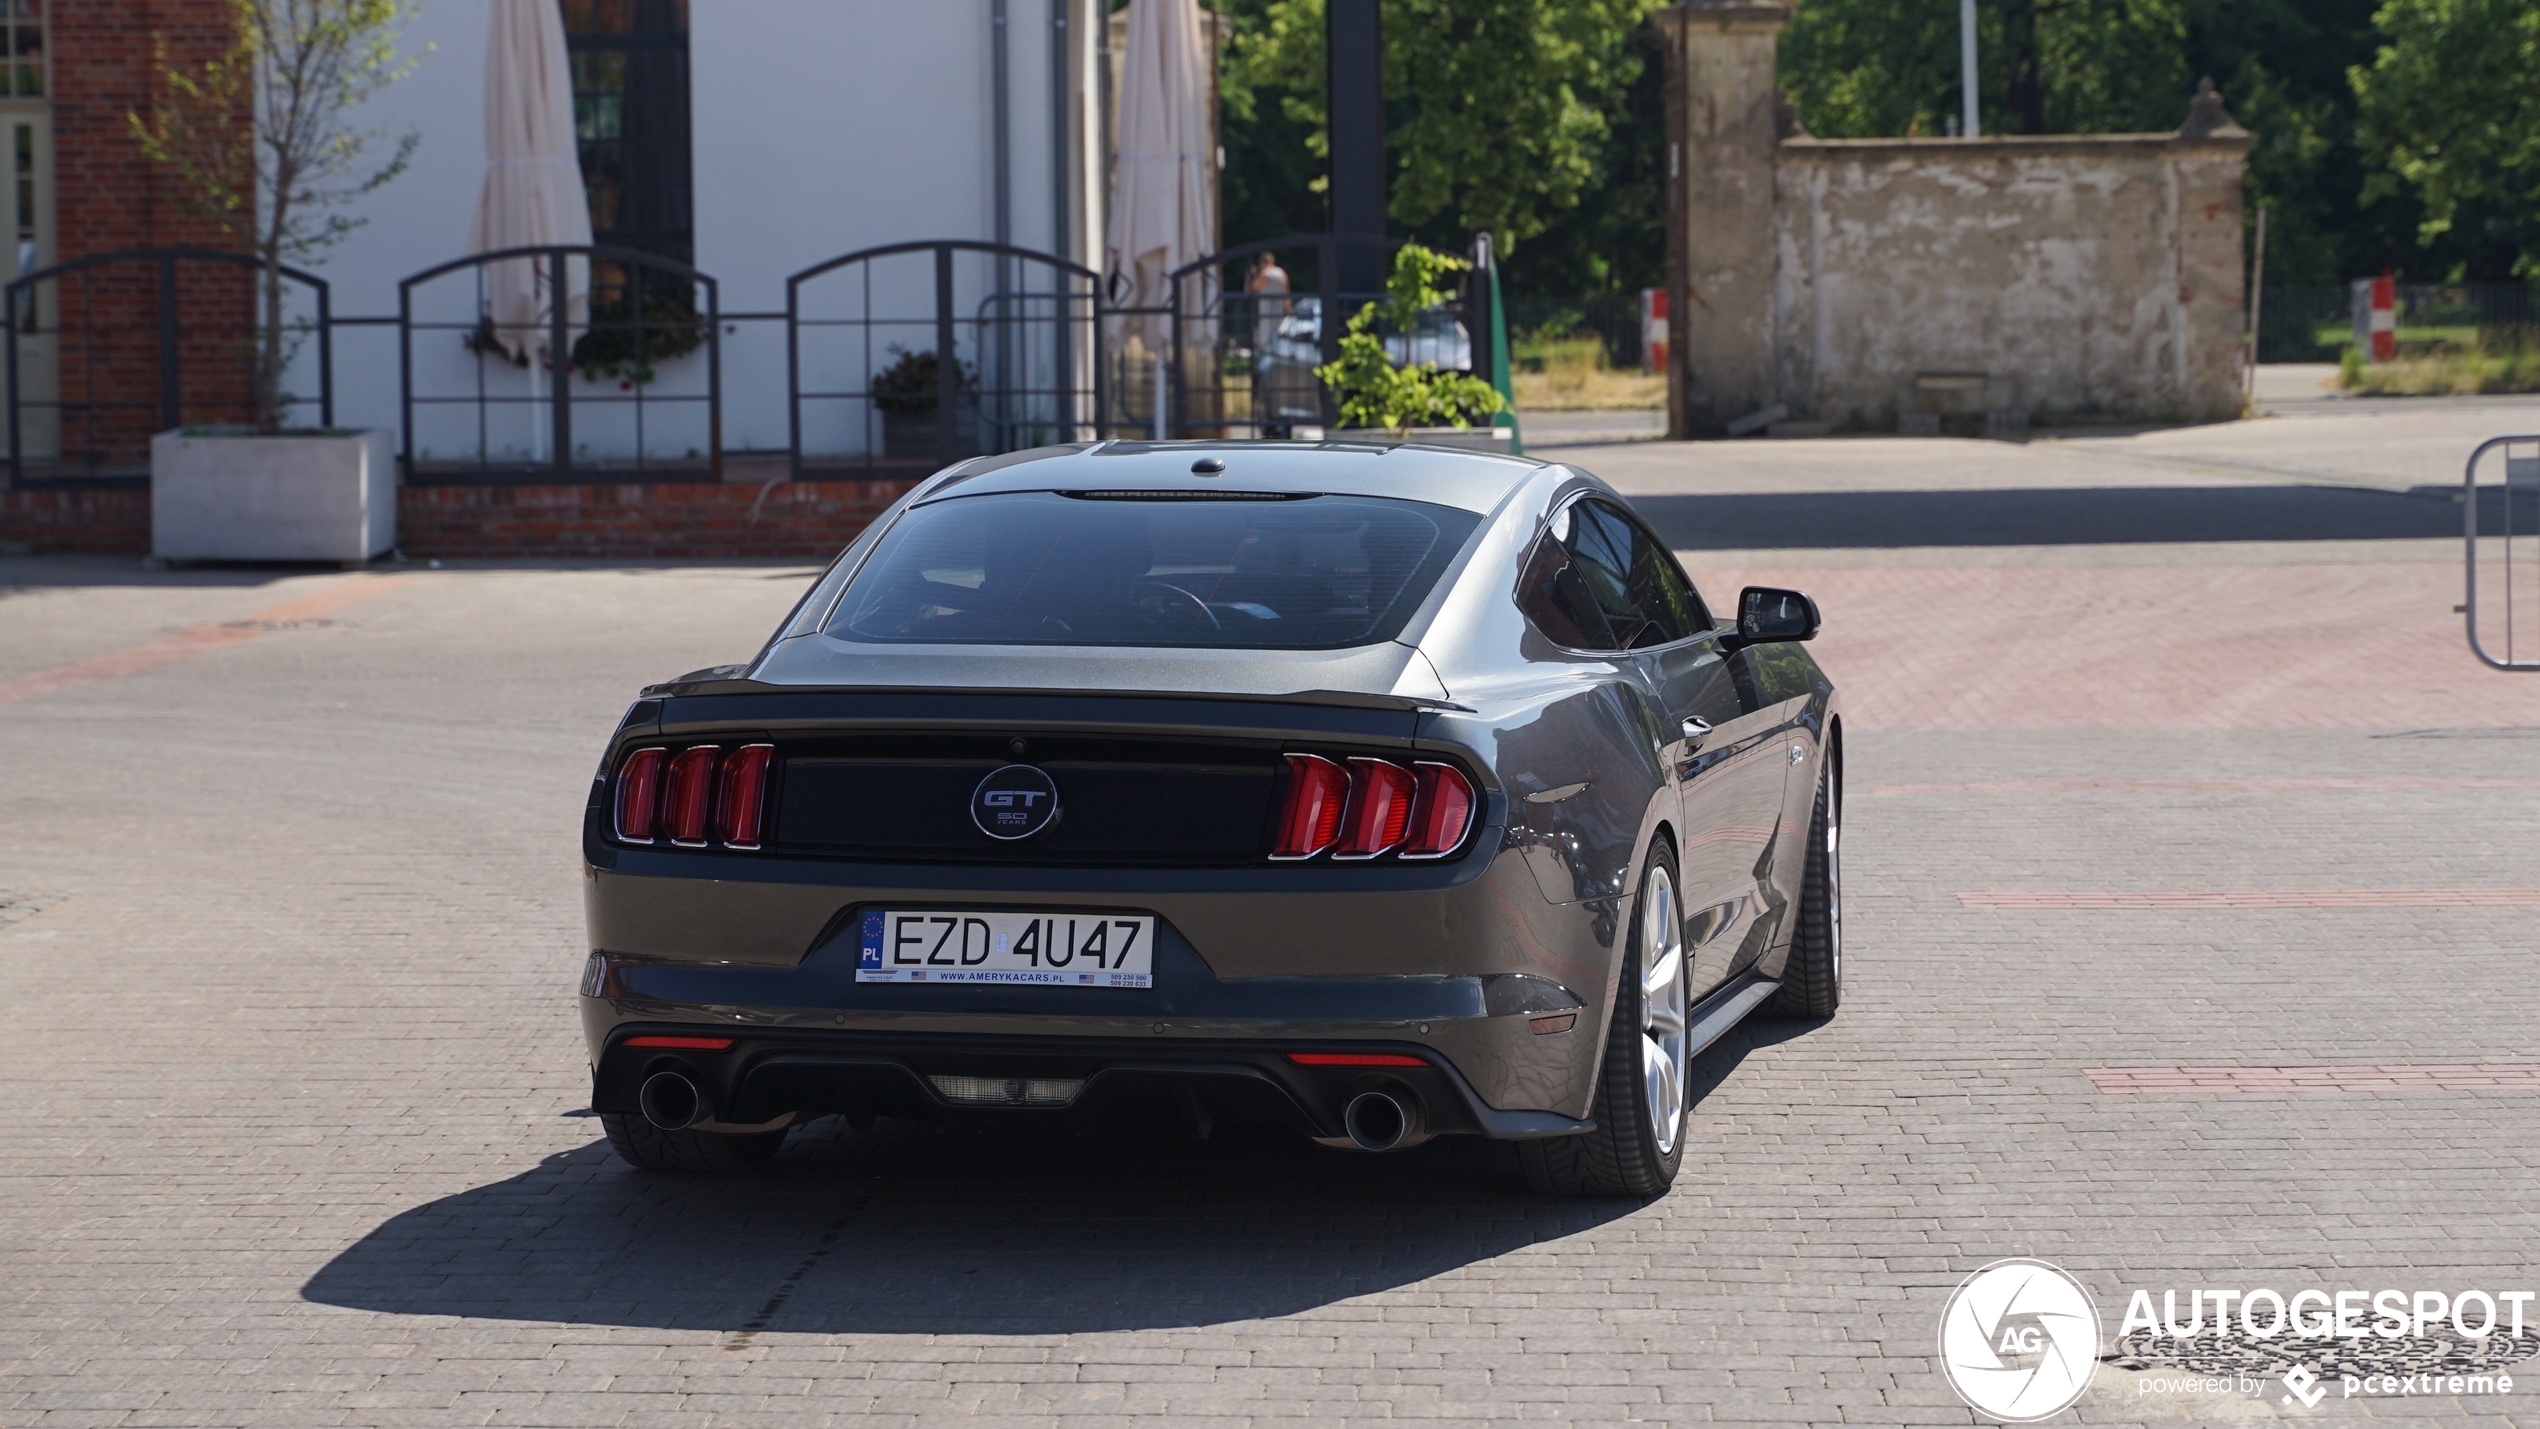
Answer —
(240, 497)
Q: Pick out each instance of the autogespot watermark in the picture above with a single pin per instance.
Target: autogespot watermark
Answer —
(2019, 1341)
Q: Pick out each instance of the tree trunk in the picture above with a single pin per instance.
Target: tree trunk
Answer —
(269, 346)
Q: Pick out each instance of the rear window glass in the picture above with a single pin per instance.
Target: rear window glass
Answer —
(1049, 568)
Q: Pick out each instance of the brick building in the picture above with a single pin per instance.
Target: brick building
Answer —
(748, 139)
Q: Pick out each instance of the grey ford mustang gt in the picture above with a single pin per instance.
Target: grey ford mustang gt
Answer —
(1383, 792)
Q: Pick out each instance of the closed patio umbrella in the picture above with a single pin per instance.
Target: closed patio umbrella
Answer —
(533, 175)
(1162, 212)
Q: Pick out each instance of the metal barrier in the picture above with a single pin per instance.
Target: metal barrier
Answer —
(2507, 512)
(133, 337)
(641, 309)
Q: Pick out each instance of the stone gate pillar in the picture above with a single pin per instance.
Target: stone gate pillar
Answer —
(1723, 126)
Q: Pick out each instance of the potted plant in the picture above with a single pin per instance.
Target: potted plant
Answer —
(263, 145)
(1416, 400)
(908, 392)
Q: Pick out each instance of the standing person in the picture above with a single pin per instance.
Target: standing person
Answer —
(1268, 286)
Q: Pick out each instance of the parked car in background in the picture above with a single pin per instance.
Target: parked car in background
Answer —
(1285, 389)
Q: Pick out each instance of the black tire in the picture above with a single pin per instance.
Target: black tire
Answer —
(1627, 1155)
(1812, 981)
(647, 1147)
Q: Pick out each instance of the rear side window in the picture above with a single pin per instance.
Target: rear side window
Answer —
(1599, 581)
(1054, 568)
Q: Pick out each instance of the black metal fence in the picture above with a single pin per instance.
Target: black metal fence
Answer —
(1613, 319)
(558, 390)
(570, 363)
(918, 354)
(2317, 324)
(1224, 356)
(106, 350)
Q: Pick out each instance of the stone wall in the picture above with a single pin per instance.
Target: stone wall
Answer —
(1879, 284)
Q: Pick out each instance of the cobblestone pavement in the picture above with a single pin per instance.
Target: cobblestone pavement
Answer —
(293, 1131)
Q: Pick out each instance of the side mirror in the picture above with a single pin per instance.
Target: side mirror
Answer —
(1767, 616)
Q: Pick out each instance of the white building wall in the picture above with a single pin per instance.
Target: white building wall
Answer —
(818, 127)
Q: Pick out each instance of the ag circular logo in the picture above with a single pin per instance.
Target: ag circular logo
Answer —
(2020, 1340)
(1016, 802)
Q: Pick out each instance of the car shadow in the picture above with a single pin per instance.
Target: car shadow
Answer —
(909, 1230)
(2054, 517)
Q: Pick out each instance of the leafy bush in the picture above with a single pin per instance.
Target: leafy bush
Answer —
(908, 387)
(624, 341)
(1370, 390)
(2502, 361)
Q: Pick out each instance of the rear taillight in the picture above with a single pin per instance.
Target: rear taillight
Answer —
(1373, 807)
(638, 795)
(1318, 791)
(687, 794)
(1379, 808)
(741, 796)
(692, 796)
(1441, 814)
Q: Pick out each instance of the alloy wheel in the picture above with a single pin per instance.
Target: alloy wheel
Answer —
(1662, 1003)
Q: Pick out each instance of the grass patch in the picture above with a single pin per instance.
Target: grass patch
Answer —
(2489, 363)
(1567, 373)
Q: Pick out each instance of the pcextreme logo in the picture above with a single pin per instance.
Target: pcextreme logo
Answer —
(2020, 1340)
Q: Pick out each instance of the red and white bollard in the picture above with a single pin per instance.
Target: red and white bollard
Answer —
(1653, 329)
(2377, 317)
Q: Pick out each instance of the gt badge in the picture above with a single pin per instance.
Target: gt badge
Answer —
(1016, 802)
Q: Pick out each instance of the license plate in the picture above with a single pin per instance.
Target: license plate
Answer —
(1036, 949)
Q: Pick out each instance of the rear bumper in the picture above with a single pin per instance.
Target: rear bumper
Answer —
(1460, 957)
(1189, 1082)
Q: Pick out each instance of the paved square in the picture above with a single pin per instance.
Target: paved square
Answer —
(289, 923)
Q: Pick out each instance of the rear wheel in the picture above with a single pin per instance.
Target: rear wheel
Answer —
(1640, 1091)
(644, 1145)
(1812, 982)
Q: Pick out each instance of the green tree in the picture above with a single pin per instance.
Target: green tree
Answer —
(263, 143)
(1495, 111)
(1877, 68)
(2449, 116)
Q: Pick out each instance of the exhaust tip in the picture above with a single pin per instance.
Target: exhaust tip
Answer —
(670, 1101)
(1379, 1121)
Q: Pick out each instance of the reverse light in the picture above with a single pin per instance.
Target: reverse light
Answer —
(1441, 814)
(1354, 1059)
(1379, 808)
(1318, 792)
(638, 795)
(686, 795)
(740, 796)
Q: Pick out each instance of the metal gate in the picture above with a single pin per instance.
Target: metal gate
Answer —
(107, 350)
(1243, 362)
(571, 394)
(903, 358)
(2501, 526)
